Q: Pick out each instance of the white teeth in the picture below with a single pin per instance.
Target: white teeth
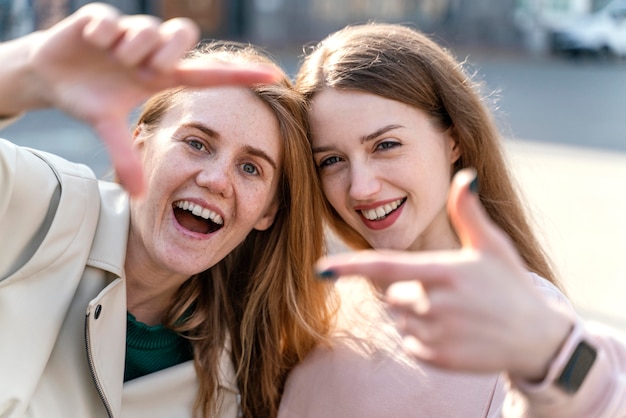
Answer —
(369, 214)
(382, 211)
(200, 211)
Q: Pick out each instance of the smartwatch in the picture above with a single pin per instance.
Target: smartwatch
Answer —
(577, 367)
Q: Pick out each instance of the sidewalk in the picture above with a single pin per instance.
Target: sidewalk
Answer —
(578, 198)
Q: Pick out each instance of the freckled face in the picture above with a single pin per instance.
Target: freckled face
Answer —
(212, 168)
(385, 168)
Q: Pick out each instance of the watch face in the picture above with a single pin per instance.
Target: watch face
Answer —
(577, 367)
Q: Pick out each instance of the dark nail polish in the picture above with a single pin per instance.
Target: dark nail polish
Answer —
(474, 186)
(326, 275)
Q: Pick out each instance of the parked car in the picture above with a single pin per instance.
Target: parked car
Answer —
(600, 33)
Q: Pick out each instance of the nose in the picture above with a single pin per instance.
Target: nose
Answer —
(217, 177)
(364, 182)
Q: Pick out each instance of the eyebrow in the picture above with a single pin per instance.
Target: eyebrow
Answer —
(249, 149)
(363, 139)
(379, 132)
(262, 154)
(205, 129)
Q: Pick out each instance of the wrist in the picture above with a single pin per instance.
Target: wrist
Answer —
(19, 89)
(552, 333)
(569, 368)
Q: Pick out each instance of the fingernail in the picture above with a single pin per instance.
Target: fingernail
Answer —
(474, 186)
(326, 275)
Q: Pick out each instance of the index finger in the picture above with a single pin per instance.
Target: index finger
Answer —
(387, 267)
(195, 73)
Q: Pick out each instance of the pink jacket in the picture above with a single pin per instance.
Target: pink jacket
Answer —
(365, 374)
(346, 383)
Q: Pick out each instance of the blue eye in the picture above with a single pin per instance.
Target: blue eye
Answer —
(249, 168)
(194, 143)
(329, 161)
(387, 145)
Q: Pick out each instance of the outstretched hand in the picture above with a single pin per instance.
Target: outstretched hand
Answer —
(473, 309)
(97, 66)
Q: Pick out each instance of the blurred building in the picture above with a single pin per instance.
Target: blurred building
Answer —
(276, 23)
(283, 22)
(216, 18)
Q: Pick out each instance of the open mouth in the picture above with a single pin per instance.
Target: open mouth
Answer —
(196, 218)
(381, 212)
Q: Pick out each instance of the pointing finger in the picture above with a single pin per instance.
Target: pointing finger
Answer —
(195, 73)
(387, 267)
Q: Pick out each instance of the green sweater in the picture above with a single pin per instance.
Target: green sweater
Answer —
(152, 348)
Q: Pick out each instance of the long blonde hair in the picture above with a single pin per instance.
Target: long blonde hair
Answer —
(263, 297)
(400, 63)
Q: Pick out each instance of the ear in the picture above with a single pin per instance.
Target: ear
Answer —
(139, 137)
(455, 151)
(268, 218)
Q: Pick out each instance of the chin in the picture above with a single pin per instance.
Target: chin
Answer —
(388, 245)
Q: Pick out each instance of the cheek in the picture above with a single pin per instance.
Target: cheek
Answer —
(437, 190)
(334, 188)
(255, 199)
(142, 218)
(166, 170)
(427, 180)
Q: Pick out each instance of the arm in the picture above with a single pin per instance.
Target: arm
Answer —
(97, 66)
(476, 310)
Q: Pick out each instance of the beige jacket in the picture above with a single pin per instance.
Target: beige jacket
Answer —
(63, 300)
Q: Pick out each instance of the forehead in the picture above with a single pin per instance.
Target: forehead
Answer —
(359, 113)
(236, 114)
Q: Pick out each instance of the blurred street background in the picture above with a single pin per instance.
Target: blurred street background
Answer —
(560, 103)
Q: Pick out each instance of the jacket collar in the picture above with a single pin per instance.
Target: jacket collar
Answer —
(108, 250)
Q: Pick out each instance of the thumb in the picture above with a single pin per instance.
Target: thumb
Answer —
(113, 131)
(470, 220)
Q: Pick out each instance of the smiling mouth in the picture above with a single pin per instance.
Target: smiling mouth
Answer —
(196, 218)
(381, 212)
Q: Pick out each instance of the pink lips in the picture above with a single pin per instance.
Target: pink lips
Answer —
(384, 223)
